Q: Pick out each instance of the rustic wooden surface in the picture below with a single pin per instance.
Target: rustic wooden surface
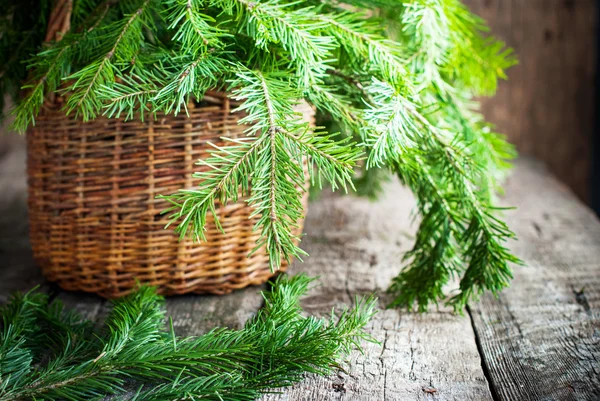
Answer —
(540, 340)
(547, 106)
(355, 247)
(541, 337)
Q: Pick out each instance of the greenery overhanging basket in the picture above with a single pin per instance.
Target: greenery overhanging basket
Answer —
(397, 95)
(95, 222)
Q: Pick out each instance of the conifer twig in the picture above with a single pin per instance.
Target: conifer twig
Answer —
(274, 349)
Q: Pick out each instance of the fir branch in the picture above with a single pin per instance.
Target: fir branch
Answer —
(55, 65)
(362, 38)
(442, 176)
(190, 77)
(22, 30)
(19, 328)
(338, 106)
(274, 194)
(327, 155)
(273, 350)
(51, 66)
(229, 169)
(477, 61)
(194, 30)
(126, 38)
(273, 161)
(275, 22)
(449, 46)
(488, 149)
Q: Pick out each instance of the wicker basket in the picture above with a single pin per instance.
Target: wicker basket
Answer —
(95, 222)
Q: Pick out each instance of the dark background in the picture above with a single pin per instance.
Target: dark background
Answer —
(548, 106)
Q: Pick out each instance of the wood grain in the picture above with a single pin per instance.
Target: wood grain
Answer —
(198, 314)
(541, 337)
(547, 106)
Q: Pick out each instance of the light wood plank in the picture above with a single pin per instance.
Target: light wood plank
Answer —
(541, 337)
(198, 314)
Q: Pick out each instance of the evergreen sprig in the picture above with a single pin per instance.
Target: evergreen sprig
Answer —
(271, 163)
(396, 77)
(135, 349)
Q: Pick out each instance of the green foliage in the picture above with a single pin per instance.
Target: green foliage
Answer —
(396, 77)
(273, 161)
(47, 353)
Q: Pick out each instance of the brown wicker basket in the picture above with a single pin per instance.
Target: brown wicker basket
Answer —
(95, 222)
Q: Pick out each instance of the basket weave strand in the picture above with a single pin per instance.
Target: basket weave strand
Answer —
(95, 222)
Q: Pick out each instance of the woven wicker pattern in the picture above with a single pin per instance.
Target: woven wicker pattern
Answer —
(95, 222)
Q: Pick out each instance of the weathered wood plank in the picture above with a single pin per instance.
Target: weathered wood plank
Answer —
(191, 314)
(198, 314)
(541, 337)
(350, 239)
(355, 247)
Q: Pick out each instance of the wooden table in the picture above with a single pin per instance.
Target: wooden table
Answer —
(539, 340)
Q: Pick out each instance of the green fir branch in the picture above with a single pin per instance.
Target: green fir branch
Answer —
(273, 350)
(275, 22)
(125, 37)
(194, 30)
(271, 160)
(457, 222)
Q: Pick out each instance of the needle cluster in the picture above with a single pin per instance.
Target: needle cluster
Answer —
(397, 77)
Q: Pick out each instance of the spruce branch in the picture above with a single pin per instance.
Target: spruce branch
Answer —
(451, 46)
(126, 38)
(486, 148)
(229, 169)
(191, 78)
(338, 105)
(278, 179)
(194, 30)
(51, 65)
(456, 220)
(272, 158)
(363, 38)
(274, 349)
(55, 63)
(19, 329)
(295, 29)
(22, 30)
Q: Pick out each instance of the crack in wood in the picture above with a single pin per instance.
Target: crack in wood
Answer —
(482, 355)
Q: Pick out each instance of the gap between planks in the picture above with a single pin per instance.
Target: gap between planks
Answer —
(540, 337)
